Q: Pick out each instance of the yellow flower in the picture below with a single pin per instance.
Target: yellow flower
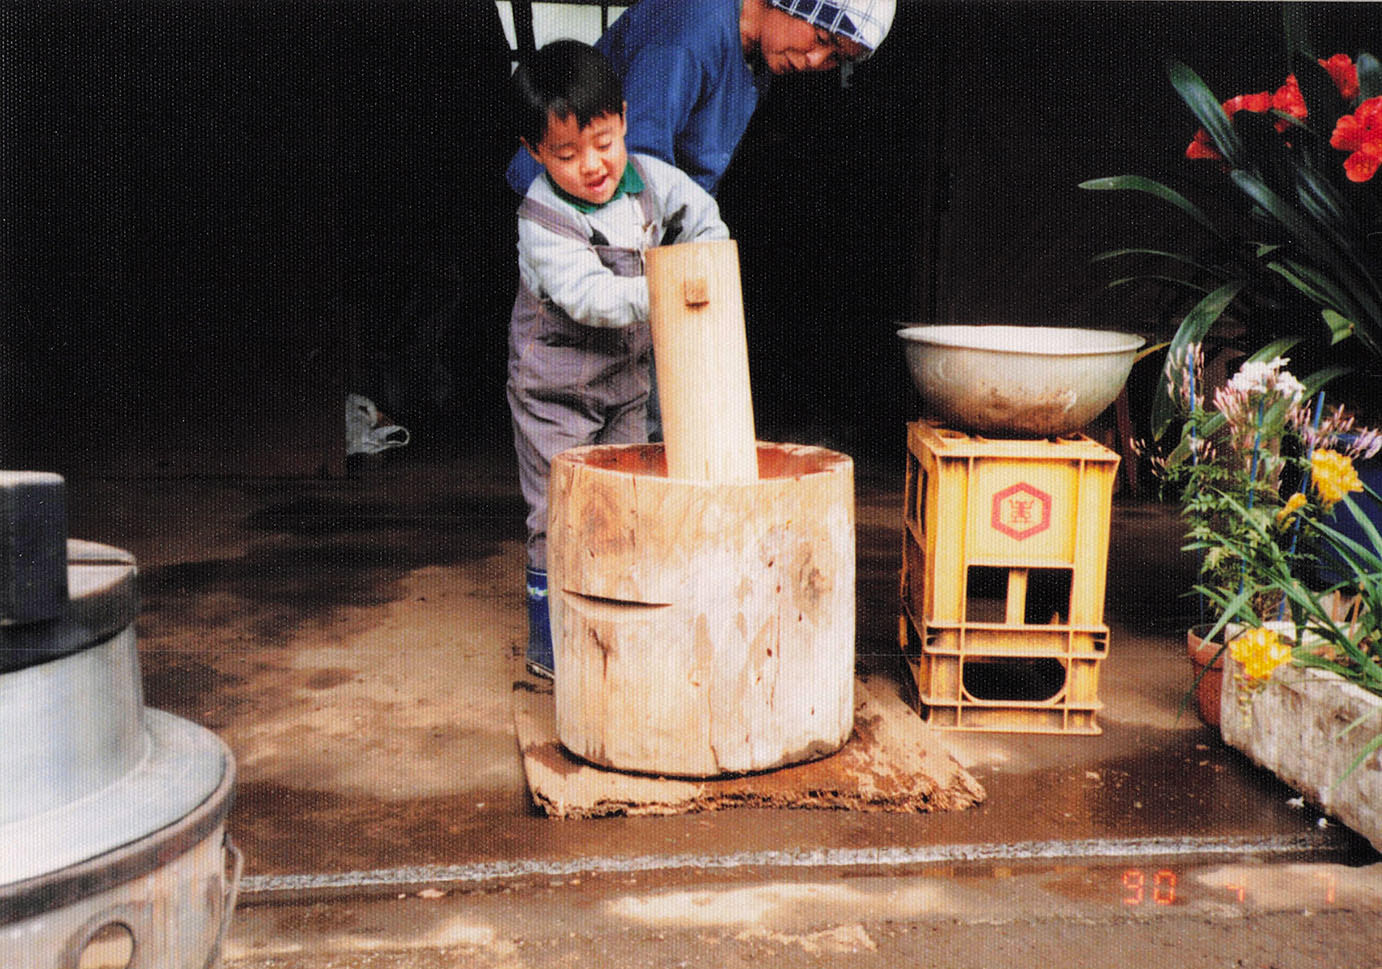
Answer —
(1293, 505)
(1260, 650)
(1333, 476)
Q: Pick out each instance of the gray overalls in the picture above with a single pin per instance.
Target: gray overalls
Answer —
(571, 384)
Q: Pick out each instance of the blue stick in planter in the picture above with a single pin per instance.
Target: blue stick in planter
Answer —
(1252, 483)
(1309, 453)
(1194, 460)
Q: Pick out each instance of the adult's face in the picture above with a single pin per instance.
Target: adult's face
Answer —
(789, 44)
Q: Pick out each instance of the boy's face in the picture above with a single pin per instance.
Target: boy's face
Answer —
(789, 44)
(585, 162)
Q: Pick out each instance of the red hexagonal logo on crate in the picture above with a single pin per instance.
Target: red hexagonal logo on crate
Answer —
(1021, 511)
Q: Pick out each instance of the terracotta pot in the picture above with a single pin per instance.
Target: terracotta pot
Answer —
(1209, 672)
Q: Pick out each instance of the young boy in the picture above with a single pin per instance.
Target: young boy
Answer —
(580, 348)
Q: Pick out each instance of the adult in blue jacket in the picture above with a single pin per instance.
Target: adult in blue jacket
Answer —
(693, 70)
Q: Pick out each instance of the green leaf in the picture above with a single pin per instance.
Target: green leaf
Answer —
(1277, 348)
(1316, 381)
(1192, 329)
(1338, 308)
(1171, 280)
(1323, 105)
(1366, 553)
(1340, 326)
(1160, 253)
(1369, 77)
(1296, 26)
(1139, 183)
(1318, 198)
(1282, 212)
(1236, 607)
(1342, 264)
(1210, 112)
(1304, 279)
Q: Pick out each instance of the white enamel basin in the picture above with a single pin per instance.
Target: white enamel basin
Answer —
(1026, 380)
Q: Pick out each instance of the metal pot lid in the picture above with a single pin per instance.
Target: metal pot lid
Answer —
(101, 601)
(185, 764)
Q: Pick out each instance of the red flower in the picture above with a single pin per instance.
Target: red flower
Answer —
(1202, 147)
(1256, 103)
(1345, 75)
(1288, 100)
(1361, 134)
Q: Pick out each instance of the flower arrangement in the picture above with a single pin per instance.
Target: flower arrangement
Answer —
(1228, 466)
(1262, 476)
(1317, 633)
(1302, 262)
(1296, 266)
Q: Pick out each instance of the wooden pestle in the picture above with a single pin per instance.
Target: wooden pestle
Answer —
(702, 359)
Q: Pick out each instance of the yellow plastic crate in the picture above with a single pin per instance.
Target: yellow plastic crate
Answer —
(1038, 508)
(1004, 566)
(1012, 679)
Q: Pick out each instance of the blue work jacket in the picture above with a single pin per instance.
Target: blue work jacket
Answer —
(689, 90)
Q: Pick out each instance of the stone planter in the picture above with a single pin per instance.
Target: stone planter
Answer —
(1291, 726)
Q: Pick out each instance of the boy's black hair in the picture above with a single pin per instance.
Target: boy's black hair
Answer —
(564, 78)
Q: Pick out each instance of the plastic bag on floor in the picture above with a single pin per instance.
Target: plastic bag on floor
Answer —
(367, 430)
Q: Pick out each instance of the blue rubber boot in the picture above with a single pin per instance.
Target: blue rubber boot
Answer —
(538, 657)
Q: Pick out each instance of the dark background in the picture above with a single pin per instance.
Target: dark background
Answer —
(221, 216)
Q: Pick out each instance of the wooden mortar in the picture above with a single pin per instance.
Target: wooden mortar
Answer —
(702, 595)
(702, 629)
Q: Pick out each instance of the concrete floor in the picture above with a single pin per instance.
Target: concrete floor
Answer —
(355, 643)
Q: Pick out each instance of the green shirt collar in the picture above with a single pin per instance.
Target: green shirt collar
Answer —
(631, 183)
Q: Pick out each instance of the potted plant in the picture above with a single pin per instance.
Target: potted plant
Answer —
(1296, 267)
(1303, 694)
(1298, 262)
(1238, 455)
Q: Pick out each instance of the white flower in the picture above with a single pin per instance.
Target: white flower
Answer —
(1267, 377)
(1256, 376)
(1289, 386)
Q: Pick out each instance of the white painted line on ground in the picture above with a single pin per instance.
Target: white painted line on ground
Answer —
(1087, 850)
